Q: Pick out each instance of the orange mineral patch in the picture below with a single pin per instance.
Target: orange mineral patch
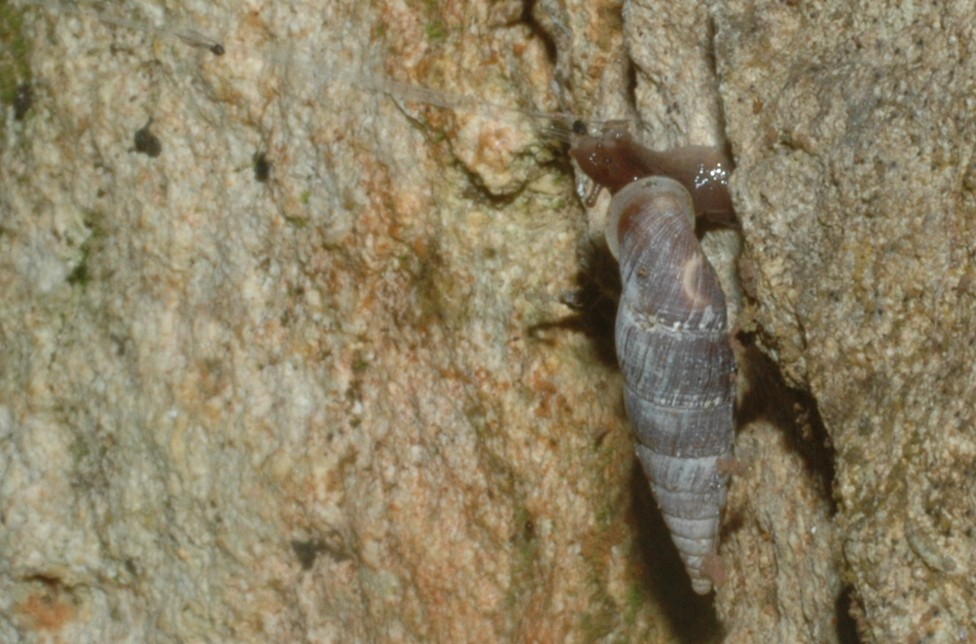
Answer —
(46, 611)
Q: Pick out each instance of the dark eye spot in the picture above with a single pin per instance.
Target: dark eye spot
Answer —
(579, 127)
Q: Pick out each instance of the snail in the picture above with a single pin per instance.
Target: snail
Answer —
(671, 335)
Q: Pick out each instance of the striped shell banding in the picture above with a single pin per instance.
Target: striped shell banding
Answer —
(671, 335)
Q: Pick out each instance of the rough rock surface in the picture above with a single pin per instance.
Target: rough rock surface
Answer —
(284, 357)
(853, 130)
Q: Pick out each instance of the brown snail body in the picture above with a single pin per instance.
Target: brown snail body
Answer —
(673, 348)
(614, 159)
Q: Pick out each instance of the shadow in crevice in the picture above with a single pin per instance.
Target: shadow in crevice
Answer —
(846, 608)
(591, 306)
(528, 19)
(796, 417)
(793, 412)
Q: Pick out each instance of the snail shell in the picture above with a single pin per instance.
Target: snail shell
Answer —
(671, 331)
(673, 347)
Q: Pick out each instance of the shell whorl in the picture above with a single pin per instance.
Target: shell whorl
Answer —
(673, 348)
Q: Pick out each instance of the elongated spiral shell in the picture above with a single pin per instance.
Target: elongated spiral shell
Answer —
(673, 347)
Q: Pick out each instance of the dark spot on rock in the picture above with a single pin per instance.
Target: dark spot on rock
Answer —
(307, 552)
(147, 143)
(262, 167)
(23, 100)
